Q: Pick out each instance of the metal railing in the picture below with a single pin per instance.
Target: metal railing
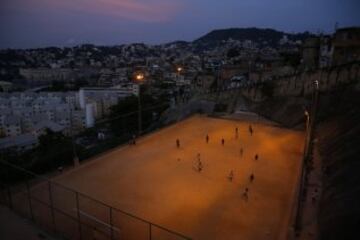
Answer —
(71, 214)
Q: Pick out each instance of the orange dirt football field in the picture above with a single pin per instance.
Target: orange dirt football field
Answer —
(161, 183)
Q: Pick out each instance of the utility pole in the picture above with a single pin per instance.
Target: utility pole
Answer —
(139, 78)
(310, 125)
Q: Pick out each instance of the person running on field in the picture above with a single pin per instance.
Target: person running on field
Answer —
(199, 166)
(256, 157)
(223, 142)
(252, 177)
(250, 130)
(177, 143)
(236, 133)
(245, 194)
(231, 175)
(207, 138)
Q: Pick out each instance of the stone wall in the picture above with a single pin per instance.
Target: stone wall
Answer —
(302, 84)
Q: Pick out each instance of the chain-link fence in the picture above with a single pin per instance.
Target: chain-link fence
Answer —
(71, 214)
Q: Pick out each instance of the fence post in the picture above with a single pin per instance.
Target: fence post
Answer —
(9, 196)
(150, 235)
(8, 188)
(29, 200)
(78, 213)
(52, 206)
(111, 223)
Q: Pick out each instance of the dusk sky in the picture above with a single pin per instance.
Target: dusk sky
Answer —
(41, 23)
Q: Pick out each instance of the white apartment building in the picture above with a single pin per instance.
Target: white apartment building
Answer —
(29, 113)
(96, 102)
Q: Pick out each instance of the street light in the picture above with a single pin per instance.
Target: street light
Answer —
(139, 79)
(307, 115)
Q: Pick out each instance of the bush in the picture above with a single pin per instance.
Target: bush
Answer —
(268, 89)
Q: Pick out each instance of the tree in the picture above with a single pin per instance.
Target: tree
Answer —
(268, 89)
(54, 150)
(233, 52)
(124, 115)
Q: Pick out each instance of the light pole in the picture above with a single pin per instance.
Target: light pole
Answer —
(75, 156)
(302, 175)
(316, 85)
(178, 72)
(310, 124)
(315, 102)
(139, 78)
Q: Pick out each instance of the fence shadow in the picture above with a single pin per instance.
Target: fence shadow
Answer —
(70, 214)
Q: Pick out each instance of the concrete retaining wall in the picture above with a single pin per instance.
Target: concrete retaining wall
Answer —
(302, 84)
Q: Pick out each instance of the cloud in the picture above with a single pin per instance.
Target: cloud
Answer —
(136, 10)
